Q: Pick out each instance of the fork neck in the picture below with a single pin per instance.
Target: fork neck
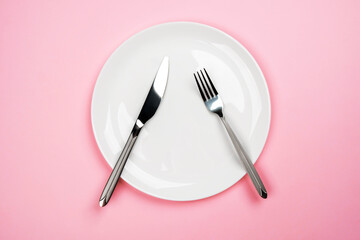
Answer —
(215, 105)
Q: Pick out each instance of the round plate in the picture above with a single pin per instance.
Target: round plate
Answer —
(183, 153)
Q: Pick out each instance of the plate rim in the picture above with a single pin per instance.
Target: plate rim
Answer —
(124, 43)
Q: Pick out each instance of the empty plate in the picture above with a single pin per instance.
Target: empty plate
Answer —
(183, 153)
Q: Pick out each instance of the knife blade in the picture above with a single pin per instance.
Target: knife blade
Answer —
(147, 111)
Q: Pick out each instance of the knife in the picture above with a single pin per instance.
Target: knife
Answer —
(148, 110)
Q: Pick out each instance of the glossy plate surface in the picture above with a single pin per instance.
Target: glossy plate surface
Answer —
(183, 153)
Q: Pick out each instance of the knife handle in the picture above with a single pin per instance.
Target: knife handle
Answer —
(120, 164)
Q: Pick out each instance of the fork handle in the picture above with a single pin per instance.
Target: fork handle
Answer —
(249, 166)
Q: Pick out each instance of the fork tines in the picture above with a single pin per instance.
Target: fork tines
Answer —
(205, 85)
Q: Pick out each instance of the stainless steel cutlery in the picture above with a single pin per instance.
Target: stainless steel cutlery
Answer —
(148, 110)
(214, 104)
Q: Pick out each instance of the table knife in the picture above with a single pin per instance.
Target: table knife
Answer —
(148, 110)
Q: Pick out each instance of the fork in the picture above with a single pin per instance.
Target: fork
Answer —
(214, 104)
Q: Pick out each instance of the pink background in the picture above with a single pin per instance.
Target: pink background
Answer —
(52, 173)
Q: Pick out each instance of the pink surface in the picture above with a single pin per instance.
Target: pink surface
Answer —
(51, 171)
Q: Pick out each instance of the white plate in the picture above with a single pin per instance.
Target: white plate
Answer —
(183, 153)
